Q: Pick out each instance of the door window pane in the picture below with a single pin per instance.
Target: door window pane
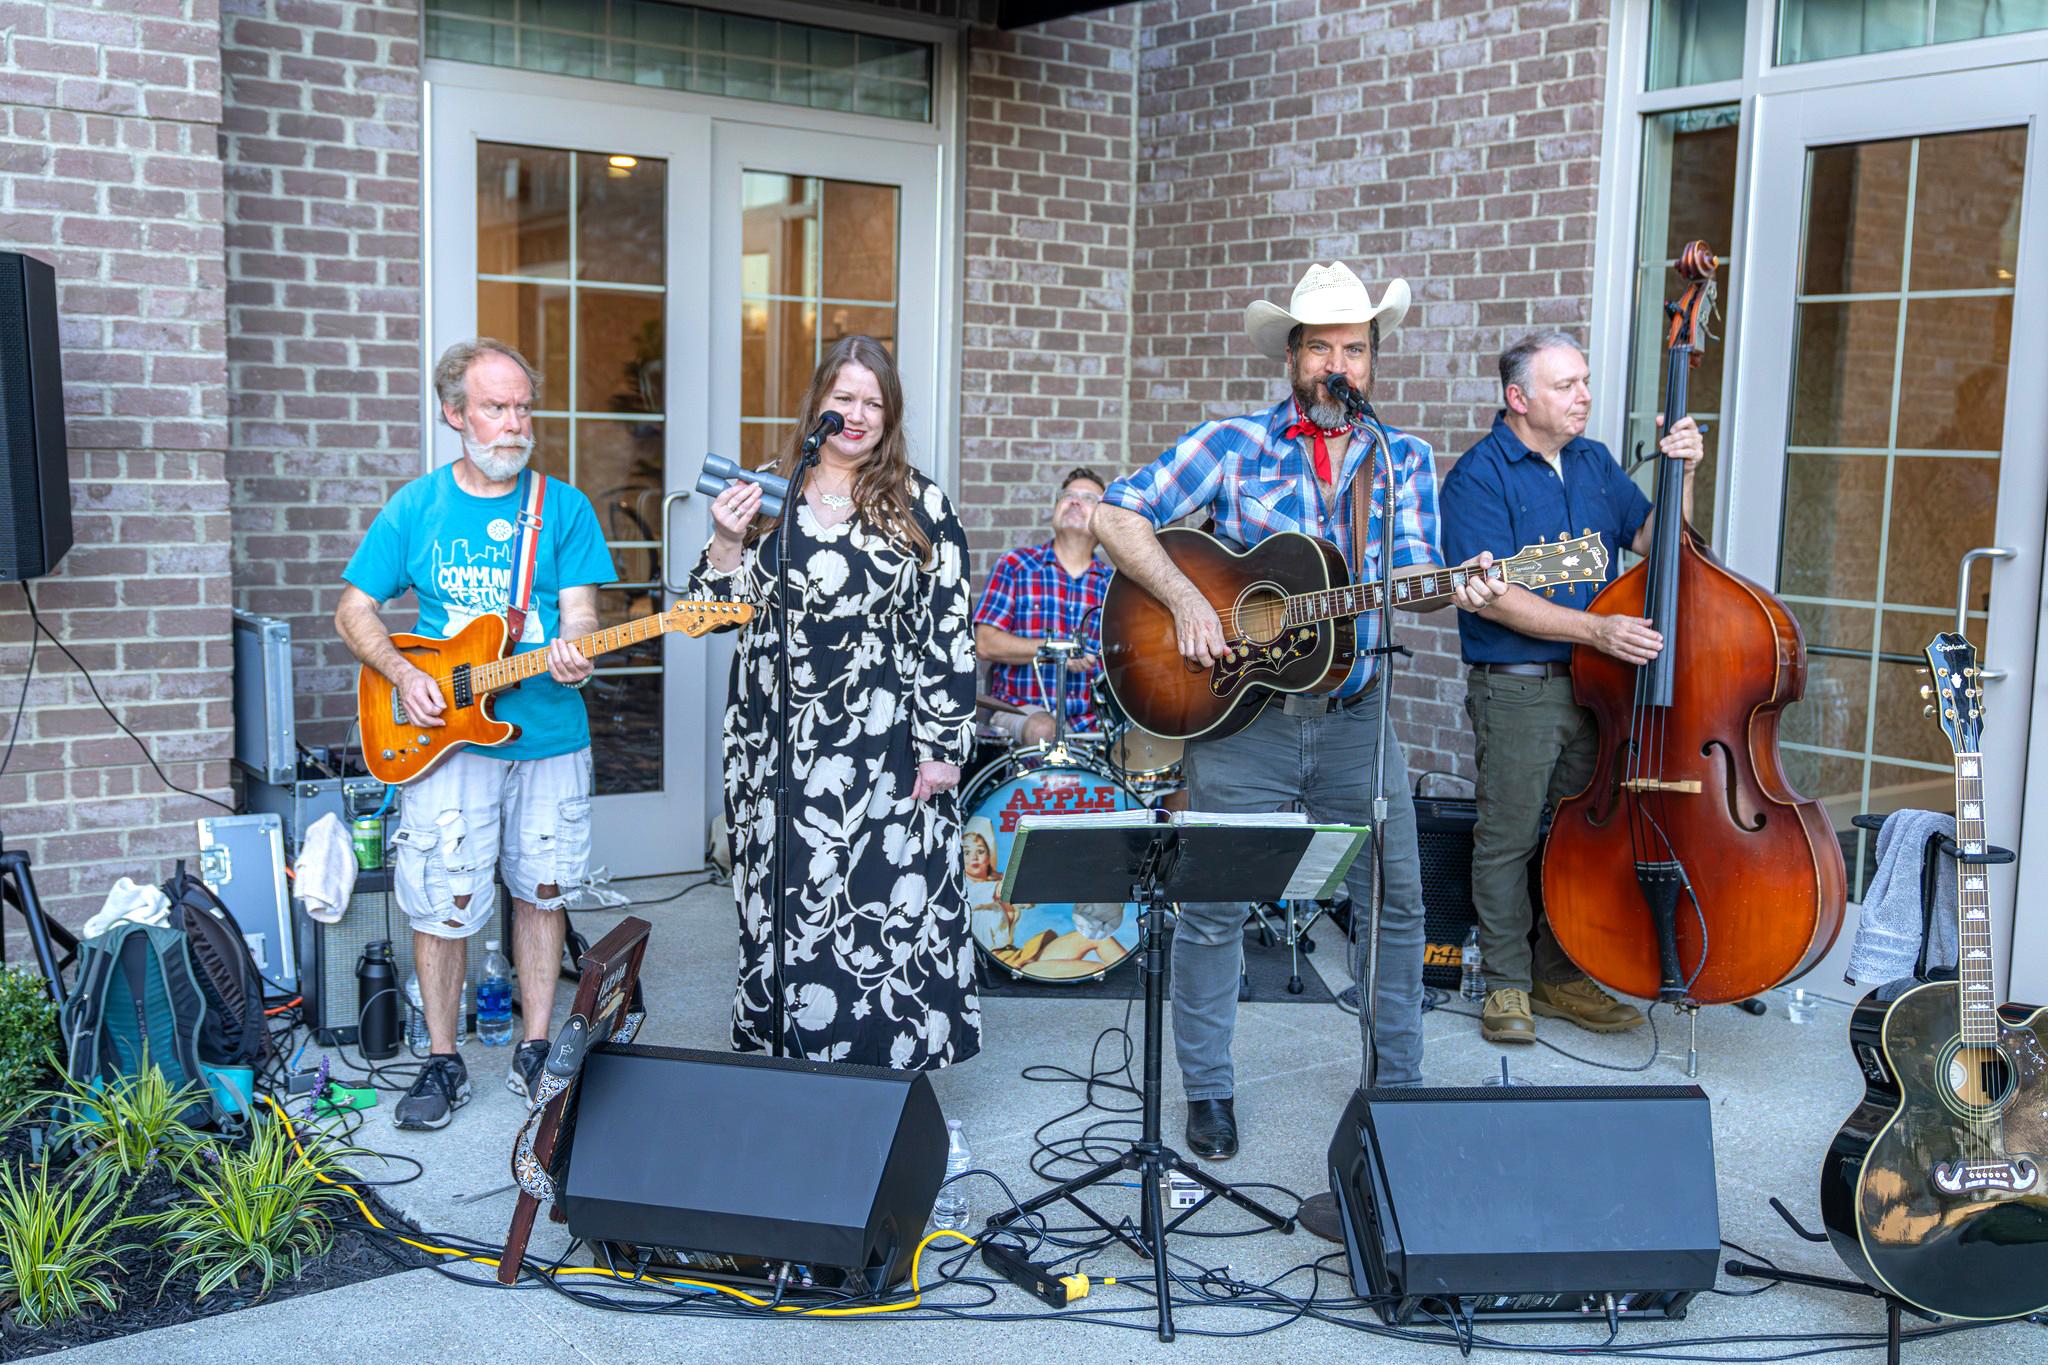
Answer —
(1688, 195)
(1897, 414)
(1815, 30)
(642, 42)
(819, 261)
(1695, 41)
(572, 269)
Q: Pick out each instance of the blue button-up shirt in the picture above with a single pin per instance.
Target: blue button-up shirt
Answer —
(1256, 482)
(1502, 496)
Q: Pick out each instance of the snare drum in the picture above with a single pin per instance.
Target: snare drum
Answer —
(1149, 760)
(1041, 942)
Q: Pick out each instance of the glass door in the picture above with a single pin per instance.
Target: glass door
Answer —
(1891, 477)
(814, 237)
(575, 231)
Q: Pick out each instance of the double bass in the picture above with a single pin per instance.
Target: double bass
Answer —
(1689, 870)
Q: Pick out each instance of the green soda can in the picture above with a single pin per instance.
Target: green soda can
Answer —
(367, 834)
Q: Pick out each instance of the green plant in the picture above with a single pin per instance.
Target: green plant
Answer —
(54, 1242)
(127, 1124)
(261, 1210)
(28, 1036)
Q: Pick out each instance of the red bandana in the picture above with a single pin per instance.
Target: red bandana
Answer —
(1303, 427)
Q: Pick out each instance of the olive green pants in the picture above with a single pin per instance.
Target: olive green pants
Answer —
(1536, 746)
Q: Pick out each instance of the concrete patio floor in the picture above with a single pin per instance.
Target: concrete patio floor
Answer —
(1779, 1092)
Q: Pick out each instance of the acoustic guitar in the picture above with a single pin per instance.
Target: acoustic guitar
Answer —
(1933, 1189)
(1288, 610)
(471, 666)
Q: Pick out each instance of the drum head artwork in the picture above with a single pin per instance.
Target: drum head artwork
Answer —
(1043, 942)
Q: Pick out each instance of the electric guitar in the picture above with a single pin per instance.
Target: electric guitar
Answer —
(1288, 610)
(470, 666)
(1933, 1191)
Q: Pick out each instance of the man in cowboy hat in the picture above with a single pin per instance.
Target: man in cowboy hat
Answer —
(1290, 468)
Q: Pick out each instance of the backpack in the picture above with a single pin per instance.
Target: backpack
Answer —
(234, 1033)
(137, 995)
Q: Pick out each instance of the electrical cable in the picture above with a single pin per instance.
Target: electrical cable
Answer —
(28, 675)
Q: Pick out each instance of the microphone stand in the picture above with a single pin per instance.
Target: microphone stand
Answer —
(1369, 980)
(785, 592)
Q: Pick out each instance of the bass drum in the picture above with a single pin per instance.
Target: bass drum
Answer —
(1058, 943)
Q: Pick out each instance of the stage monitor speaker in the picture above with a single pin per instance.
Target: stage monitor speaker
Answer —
(746, 1167)
(1540, 1203)
(35, 469)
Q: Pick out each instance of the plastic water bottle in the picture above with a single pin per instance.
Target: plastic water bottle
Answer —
(949, 1210)
(417, 1039)
(1800, 1004)
(1473, 985)
(494, 998)
(415, 1018)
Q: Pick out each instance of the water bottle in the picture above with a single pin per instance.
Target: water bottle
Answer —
(494, 998)
(377, 1003)
(1473, 986)
(416, 1041)
(949, 1210)
(1800, 1004)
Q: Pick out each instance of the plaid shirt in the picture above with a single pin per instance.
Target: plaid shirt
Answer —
(1256, 482)
(1030, 593)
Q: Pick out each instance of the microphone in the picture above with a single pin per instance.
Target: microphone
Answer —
(1341, 390)
(829, 424)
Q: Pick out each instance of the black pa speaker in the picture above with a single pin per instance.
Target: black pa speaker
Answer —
(1443, 838)
(1550, 1203)
(35, 470)
(751, 1168)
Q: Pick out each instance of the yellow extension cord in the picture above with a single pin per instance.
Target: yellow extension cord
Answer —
(916, 1293)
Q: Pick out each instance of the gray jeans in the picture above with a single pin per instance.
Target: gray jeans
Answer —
(1324, 764)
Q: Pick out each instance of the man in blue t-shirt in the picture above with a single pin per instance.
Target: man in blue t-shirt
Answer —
(522, 807)
(1535, 477)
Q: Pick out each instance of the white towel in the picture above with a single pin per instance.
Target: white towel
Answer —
(127, 901)
(325, 875)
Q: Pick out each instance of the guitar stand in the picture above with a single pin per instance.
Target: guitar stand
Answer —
(18, 889)
(1893, 1307)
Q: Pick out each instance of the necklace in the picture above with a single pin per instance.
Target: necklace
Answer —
(835, 500)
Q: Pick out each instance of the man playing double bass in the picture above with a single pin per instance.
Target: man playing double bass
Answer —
(1536, 477)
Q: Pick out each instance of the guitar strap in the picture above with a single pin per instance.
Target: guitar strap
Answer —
(533, 491)
(1361, 512)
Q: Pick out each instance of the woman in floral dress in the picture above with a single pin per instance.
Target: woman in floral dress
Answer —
(878, 953)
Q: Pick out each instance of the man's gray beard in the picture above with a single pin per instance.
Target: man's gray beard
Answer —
(1329, 416)
(495, 467)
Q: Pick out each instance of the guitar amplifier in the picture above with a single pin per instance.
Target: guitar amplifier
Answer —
(1443, 835)
(328, 954)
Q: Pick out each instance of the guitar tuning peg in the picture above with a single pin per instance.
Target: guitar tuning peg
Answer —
(1927, 711)
(1926, 691)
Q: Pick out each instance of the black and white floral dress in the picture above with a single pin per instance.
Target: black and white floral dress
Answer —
(880, 958)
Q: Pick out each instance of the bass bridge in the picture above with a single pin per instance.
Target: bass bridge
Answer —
(1259, 662)
(2018, 1175)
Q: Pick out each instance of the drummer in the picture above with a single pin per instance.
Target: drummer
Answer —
(1040, 595)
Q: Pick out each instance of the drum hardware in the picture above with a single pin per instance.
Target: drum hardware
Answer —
(1295, 919)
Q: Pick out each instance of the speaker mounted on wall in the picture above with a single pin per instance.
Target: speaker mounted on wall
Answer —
(35, 468)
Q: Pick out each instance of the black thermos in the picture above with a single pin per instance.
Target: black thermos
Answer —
(377, 1002)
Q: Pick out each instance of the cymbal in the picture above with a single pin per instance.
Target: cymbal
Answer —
(1001, 707)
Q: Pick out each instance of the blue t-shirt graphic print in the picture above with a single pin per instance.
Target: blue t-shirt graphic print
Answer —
(453, 550)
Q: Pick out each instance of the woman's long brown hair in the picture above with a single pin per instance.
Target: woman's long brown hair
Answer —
(881, 487)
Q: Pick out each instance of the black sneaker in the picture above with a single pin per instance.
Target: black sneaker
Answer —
(529, 1059)
(442, 1088)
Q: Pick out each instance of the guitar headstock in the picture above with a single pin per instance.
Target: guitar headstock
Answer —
(1959, 686)
(701, 618)
(1583, 560)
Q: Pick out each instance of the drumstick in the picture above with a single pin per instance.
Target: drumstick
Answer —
(1003, 707)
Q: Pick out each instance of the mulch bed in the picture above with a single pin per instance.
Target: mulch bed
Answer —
(354, 1256)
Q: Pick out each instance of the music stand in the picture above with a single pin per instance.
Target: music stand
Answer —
(1171, 856)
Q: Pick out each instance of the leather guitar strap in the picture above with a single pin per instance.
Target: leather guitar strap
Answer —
(533, 490)
(1361, 511)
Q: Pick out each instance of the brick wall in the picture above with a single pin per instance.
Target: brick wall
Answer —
(110, 171)
(1452, 142)
(1049, 261)
(321, 135)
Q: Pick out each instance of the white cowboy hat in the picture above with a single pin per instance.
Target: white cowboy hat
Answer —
(1327, 294)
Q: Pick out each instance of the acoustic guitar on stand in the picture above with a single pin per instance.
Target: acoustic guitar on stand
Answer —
(472, 666)
(1288, 610)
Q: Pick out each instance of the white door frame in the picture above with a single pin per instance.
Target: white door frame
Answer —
(1786, 125)
(640, 832)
